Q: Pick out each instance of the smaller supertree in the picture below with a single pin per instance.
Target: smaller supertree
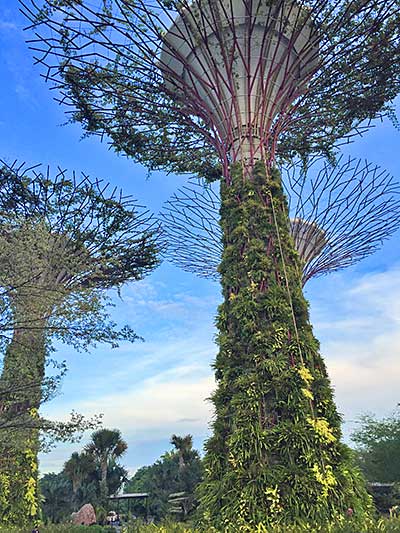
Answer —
(339, 213)
(63, 242)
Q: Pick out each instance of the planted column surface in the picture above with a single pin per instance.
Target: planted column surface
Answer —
(275, 454)
(32, 295)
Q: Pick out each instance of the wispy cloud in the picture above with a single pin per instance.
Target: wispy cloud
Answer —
(174, 401)
(7, 25)
(360, 327)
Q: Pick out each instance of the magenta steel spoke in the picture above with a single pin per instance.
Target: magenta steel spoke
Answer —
(242, 76)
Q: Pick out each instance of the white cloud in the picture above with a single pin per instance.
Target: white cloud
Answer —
(170, 397)
(6, 25)
(366, 374)
(174, 401)
(154, 389)
(360, 325)
(159, 405)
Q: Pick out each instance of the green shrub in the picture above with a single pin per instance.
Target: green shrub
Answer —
(58, 528)
(381, 525)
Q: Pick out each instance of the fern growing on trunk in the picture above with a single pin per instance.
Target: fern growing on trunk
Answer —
(275, 455)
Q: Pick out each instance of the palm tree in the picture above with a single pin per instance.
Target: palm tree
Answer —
(183, 446)
(106, 445)
(77, 468)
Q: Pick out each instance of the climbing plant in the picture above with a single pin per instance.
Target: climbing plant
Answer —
(275, 455)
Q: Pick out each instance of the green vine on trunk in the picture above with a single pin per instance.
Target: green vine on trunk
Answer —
(275, 455)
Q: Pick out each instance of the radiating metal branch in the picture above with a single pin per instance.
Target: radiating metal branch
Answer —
(339, 215)
(227, 79)
(92, 235)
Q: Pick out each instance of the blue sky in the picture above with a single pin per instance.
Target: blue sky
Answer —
(153, 389)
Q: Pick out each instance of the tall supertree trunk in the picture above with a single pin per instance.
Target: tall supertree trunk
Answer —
(23, 372)
(275, 454)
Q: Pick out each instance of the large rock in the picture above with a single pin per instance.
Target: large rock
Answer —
(85, 516)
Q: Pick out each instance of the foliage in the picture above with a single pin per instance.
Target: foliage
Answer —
(347, 526)
(275, 455)
(58, 528)
(77, 469)
(386, 498)
(183, 446)
(78, 483)
(378, 447)
(56, 492)
(105, 447)
(63, 242)
(166, 476)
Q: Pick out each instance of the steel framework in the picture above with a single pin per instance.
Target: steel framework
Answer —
(339, 216)
(93, 235)
(227, 79)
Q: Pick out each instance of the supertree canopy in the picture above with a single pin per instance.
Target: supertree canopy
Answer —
(337, 217)
(63, 242)
(195, 86)
(231, 90)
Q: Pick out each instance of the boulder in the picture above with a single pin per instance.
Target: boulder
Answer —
(85, 516)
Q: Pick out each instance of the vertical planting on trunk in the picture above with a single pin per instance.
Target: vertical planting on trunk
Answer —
(63, 243)
(31, 301)
(275, 454)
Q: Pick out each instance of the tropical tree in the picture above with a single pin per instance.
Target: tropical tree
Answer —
(117, 476)
(79, 482)
(165, 477)
(77, 469)
(183, 446)
(106, 446)
(55, 490)
(378, 447)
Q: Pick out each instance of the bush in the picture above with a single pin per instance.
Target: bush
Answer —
(348, 526)
(59, 528)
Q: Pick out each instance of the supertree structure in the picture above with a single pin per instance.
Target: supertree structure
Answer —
(189, 86)
(227, 89)
(63, 242)
(337, 218)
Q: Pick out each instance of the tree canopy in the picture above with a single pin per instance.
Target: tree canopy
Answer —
(167, 476)
(78, 483)
(378, 447)
(106, 447)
